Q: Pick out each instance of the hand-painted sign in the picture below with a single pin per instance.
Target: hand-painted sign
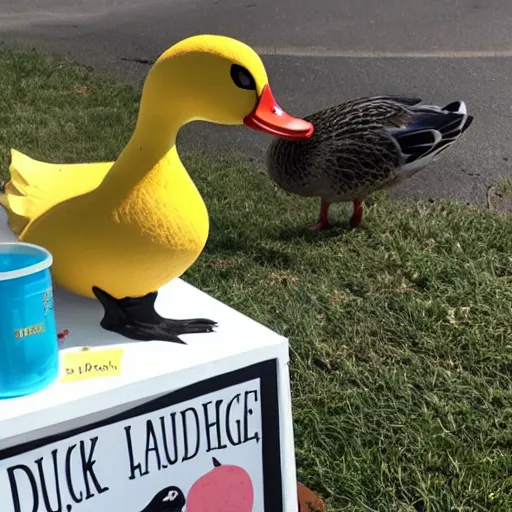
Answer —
(210, 447)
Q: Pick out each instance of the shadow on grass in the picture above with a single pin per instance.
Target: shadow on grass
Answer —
(254, 250)
(302, 233)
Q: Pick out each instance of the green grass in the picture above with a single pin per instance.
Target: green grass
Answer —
(400, 332)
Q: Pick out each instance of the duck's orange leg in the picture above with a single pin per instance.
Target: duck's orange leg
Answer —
(323, 221)
(357, 215)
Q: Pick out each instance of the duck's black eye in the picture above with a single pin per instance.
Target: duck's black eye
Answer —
(242, 78)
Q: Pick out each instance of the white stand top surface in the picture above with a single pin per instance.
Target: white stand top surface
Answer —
(148, 368)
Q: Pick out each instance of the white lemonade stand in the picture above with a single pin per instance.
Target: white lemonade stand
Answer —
(206, 425)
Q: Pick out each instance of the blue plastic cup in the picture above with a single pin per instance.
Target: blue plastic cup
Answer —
(29, 350)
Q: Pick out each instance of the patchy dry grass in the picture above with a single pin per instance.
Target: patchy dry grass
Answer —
(505, 187)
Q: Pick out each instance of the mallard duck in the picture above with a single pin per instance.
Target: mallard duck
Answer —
(362, 146)
(119, 231)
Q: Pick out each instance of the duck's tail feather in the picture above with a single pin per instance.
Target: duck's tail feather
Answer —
(35, 187)
(17, 223)
(18, 195)
(432, 130)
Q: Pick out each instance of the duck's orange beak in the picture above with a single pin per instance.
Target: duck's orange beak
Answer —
(269, 117)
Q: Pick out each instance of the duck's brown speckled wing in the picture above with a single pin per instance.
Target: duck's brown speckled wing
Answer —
(351, 150)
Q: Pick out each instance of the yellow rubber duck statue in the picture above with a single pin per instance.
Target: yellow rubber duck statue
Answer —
(118, 231)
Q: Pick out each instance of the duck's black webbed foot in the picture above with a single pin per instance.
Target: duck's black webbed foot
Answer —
(137, 319)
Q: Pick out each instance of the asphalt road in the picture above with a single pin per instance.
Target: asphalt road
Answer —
(318, 53)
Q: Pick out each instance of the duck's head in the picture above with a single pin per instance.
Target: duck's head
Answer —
(220, 80)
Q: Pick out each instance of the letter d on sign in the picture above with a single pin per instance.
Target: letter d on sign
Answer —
(16, 494)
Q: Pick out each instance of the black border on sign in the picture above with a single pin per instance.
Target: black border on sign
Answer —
(266, 372)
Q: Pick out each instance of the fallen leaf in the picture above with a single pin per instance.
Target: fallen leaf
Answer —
(82, 89)
(308, 500)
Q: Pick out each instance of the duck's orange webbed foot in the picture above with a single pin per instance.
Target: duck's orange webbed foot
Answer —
(323, 221)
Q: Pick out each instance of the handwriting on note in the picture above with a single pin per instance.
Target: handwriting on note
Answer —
(91, 364)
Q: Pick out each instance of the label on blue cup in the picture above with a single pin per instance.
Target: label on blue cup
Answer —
(38, 328)
(25, 332)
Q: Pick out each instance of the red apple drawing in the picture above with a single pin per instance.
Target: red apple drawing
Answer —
(223, 489)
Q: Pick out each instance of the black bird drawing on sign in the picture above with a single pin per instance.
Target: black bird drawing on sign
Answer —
(170, 499)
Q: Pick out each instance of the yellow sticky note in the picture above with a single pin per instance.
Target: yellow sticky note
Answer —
(91, 364)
